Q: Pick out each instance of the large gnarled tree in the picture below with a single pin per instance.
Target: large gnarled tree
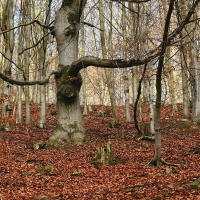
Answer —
(66, 27)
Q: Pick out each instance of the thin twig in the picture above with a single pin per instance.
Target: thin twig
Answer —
(27, 24)
(38, 42)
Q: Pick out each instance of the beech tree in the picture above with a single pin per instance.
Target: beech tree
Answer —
(70, 127)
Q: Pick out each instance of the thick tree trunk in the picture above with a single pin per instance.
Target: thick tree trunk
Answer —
(7, 22)
(184, 67)
(171, 81)
(83, 73)
(70, 123)
(184, 84)
(196, 67)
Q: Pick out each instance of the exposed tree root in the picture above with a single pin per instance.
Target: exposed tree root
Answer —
(155, 162)
(150, 138)
(168, 163)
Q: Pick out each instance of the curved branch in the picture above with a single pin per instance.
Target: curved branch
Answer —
(87, 61)
(34, 82)
(105, 63)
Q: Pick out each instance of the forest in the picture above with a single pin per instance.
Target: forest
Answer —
(100, 99)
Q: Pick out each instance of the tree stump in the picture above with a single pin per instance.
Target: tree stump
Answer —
(105, 155)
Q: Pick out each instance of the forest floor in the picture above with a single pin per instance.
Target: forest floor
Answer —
(67, 172)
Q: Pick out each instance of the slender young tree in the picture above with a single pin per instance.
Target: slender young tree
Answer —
(157, 154)
(125, 71)
(107, 71)
(42, 67)
(26, 7)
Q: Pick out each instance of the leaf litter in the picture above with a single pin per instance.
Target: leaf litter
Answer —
(66, 172)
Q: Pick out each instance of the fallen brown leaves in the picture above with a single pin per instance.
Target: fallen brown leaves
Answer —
(68, 173)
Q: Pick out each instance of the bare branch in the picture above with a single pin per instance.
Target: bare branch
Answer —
(12, 62)
(105, 63)
(35, 21)
(36, 44)
(91, 25)
(39, 82)
(184, 22)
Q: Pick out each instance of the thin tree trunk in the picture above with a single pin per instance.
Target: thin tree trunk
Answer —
(107, 71)
(126, 94)
(171, 82)
(137, 100)
(26, 6)
(125, 71)
(151, 106)
(19, 105)
(42, 66)
(135, 78)
(156, 161)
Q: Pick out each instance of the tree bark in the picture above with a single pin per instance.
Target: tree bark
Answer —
(42, 67)
(151, 106)
(70, 123)
(196, 67)
(185, 90)
(171, 82)
(7, 23)
(125, 71)
(26, 6)
(83, 73)
(184, 66)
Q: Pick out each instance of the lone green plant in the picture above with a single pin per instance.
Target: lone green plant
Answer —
(26, 173)
(48, 169)
(75, 173)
